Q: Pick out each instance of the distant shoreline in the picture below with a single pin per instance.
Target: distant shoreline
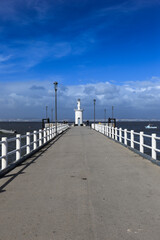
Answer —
(72, 121)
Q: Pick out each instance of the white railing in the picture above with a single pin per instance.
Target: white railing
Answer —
(13, 149)
(148, 144)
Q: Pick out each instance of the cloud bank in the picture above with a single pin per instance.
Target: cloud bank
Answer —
(28, 100)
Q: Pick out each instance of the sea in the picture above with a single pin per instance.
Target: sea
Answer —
(137, 126)
(19, 127)
(23, 127)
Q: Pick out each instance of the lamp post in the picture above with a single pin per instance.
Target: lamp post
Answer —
(94, 100)
(46, 112)
(105, 116)
(52, 115)
(104, 119)
(112, 111)
(55, 88)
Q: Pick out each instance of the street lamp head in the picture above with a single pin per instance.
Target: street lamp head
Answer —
(94, 100)
(55, 85)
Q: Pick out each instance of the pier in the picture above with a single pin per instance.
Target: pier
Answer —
(83, 186)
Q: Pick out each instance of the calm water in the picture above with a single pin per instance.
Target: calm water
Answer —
(140, 126)
(23, 127)
(20, 127)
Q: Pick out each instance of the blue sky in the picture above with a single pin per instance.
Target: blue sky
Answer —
(103, 49)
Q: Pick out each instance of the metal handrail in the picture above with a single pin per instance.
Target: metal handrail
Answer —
(121, 135)
(46, 135)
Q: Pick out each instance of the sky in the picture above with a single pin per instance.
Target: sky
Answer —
(106, 50)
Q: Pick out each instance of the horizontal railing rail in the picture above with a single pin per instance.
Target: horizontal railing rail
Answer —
(13, 149)
(148, 144)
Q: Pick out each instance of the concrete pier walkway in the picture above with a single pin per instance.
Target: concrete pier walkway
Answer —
(82, 187)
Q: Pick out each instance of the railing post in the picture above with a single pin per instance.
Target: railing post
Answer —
(48, 138)
(40, 137)
(132, 138)
(54, 131)
(116, 133)
(52, 135)
(125, 136)
(45, 135)
(113, 132)
(110, 132)
(154, 146)
(61, 128)
(28, 142)
(141, 148)
(18, 147)
(120, 134)
(4, 153)
(107, 131)
(34, 140)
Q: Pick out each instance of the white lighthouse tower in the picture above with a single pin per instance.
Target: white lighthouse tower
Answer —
(78, 114)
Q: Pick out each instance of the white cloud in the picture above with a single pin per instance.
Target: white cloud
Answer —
(134, 99)
(26, 55)
(61, 49)
(4, 58)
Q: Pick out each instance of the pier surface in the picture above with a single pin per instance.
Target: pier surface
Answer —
(83, 187)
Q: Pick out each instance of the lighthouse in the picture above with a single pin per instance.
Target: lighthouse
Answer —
(78, 114)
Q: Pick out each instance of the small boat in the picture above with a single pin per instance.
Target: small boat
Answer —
(7, 131)
(150, 126)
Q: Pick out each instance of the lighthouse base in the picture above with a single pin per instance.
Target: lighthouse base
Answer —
(78, 125)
